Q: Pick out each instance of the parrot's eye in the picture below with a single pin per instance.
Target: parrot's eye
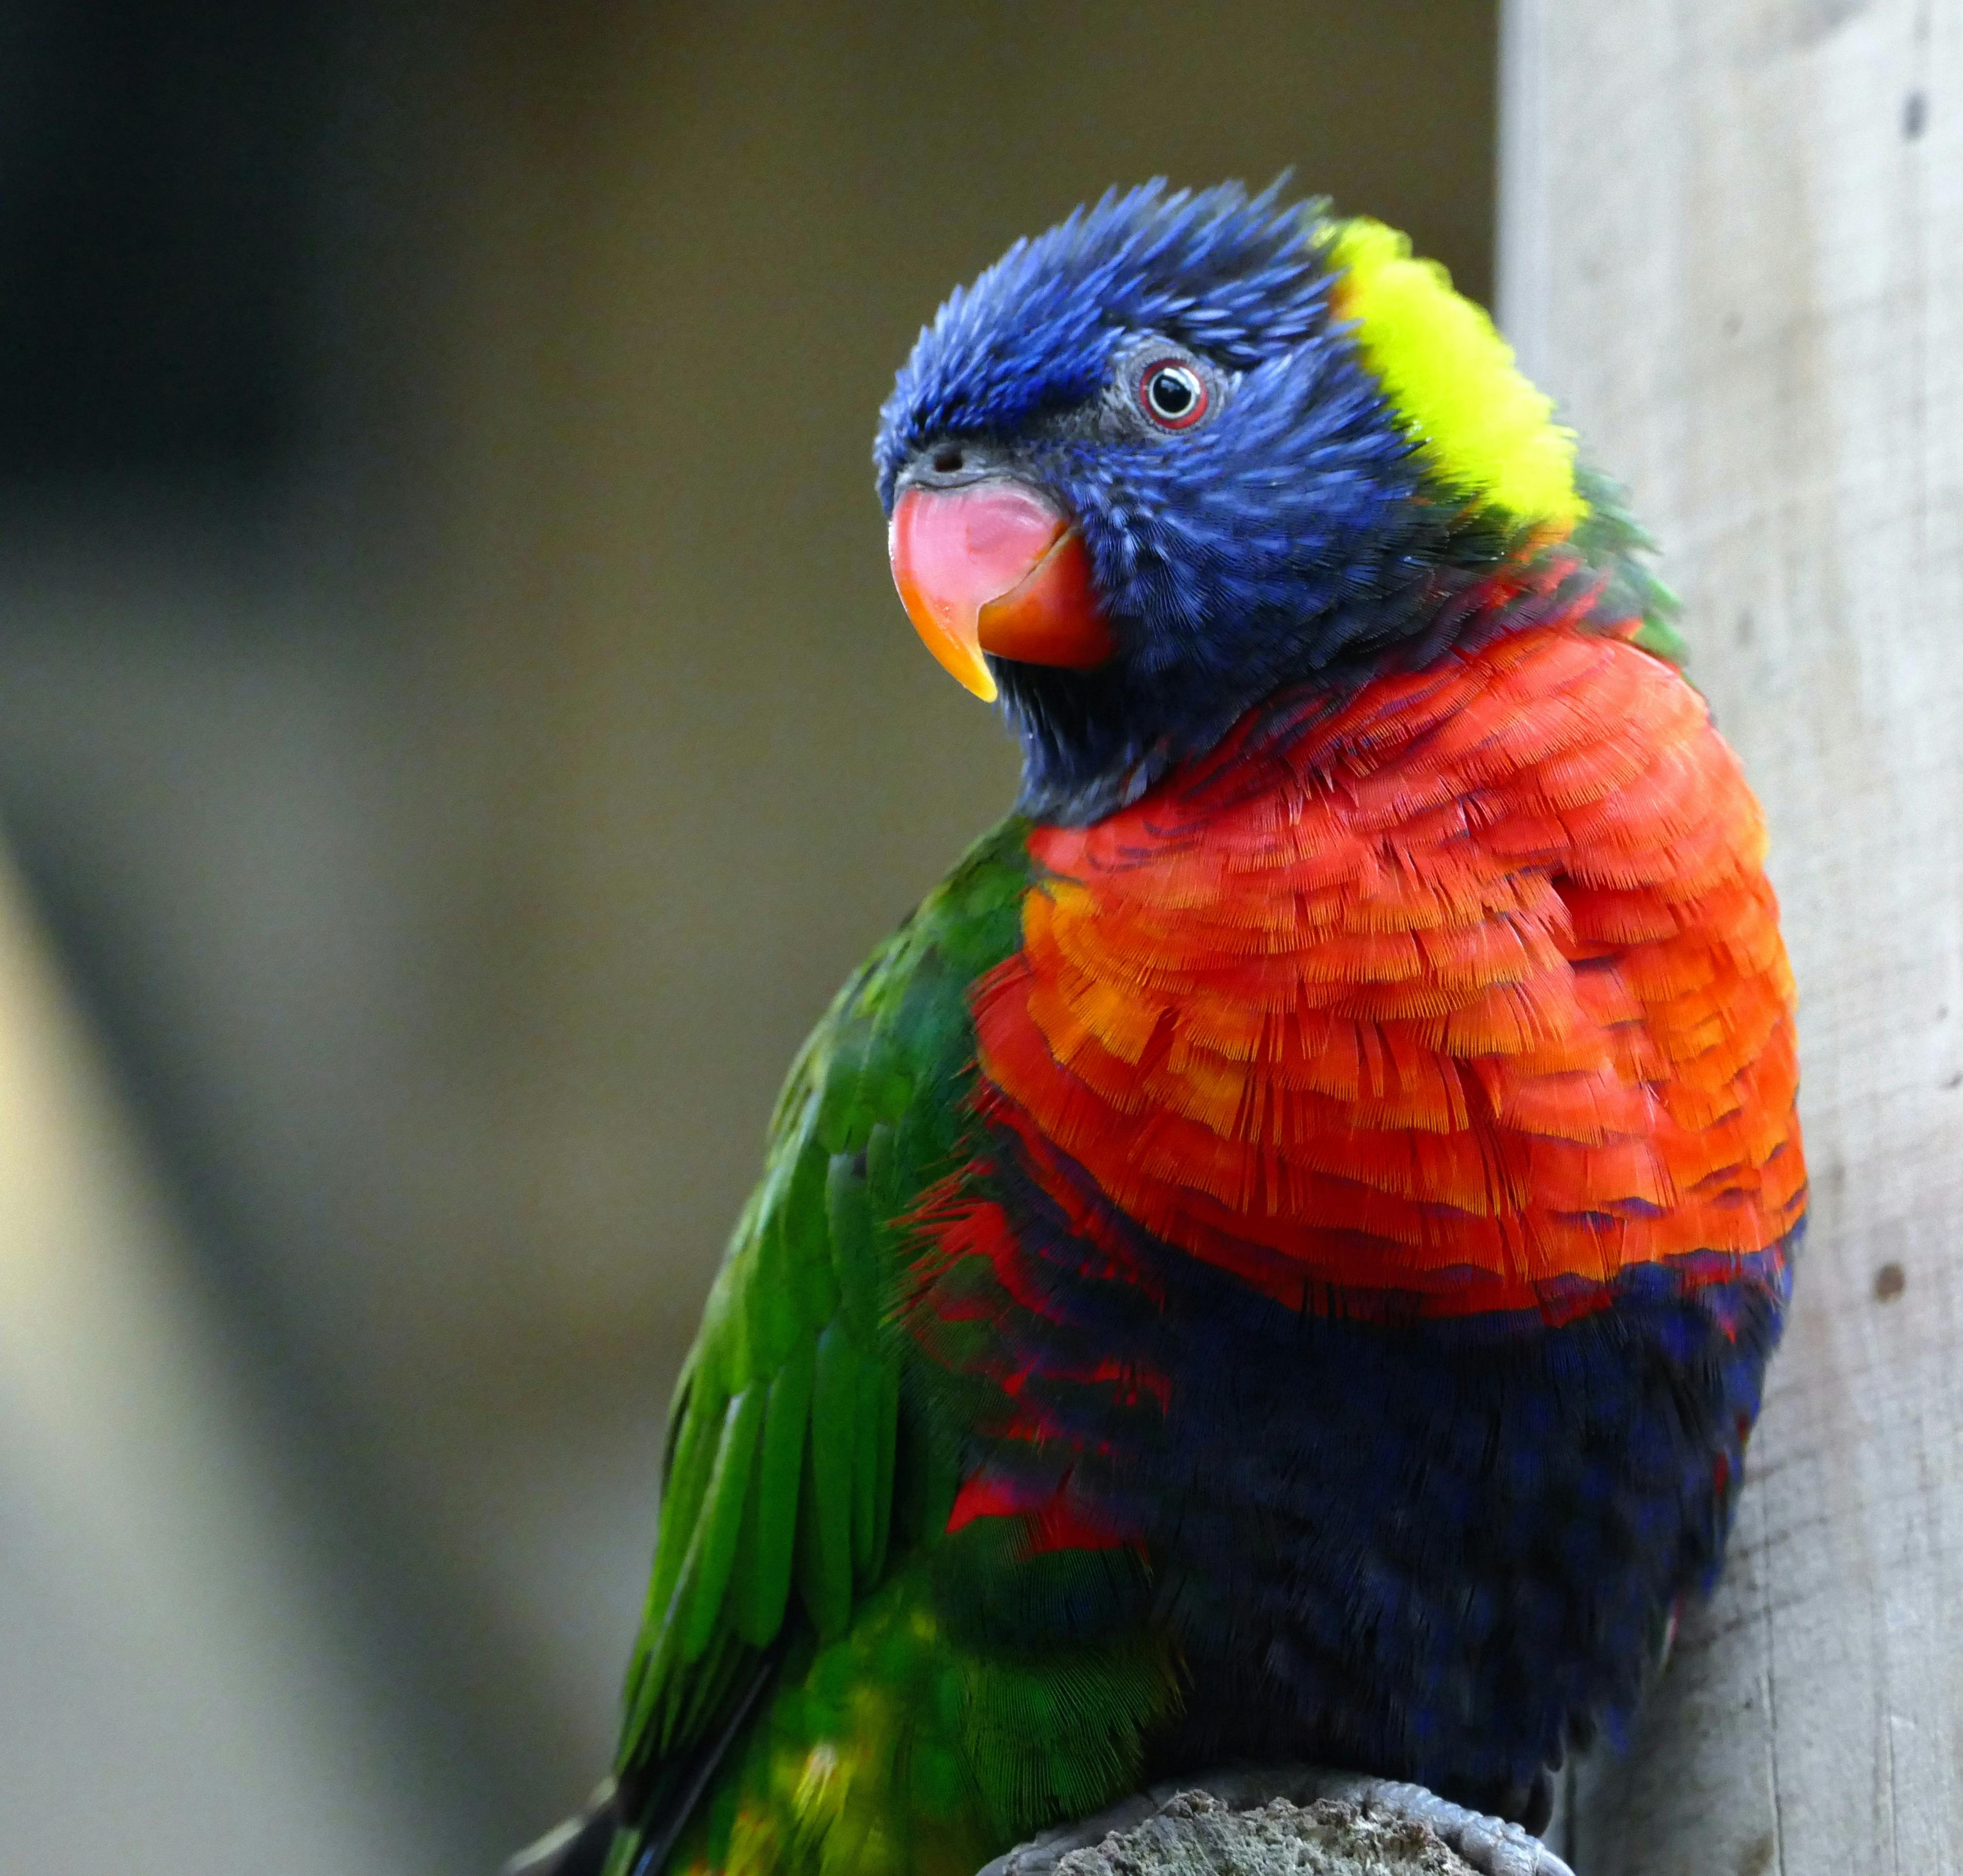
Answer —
(1173, 393)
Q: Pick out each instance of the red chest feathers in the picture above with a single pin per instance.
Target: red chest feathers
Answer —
(1470, 994)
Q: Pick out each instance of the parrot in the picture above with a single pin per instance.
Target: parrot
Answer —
(1275, 1261)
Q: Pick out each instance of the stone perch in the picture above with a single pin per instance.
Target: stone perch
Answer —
(1303, 1821)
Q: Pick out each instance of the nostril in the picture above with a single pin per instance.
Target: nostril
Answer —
(946, 462)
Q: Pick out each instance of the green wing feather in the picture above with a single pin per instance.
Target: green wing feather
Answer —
(784, 1434)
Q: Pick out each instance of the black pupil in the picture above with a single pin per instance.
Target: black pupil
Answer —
(1172, 393)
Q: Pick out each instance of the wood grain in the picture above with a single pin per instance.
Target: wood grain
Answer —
(1732, 245)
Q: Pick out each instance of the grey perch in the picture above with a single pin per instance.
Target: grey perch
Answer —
(1264, 1822)
(1244, 1821)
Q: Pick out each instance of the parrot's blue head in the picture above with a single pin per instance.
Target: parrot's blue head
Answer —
(1187, 448)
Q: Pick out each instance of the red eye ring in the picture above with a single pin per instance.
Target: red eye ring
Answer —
(1172, 394)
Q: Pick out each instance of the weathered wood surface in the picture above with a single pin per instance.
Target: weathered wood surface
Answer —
(1733, 243)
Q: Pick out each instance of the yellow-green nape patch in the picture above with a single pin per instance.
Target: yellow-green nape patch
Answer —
(1452, 378)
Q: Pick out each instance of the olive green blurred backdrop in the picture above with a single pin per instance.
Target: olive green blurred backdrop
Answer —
(454, 829)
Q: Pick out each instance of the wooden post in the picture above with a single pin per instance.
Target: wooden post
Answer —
(1732, 245)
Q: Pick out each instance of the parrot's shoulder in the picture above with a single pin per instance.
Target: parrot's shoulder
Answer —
(782, 1430)
(877, 1077)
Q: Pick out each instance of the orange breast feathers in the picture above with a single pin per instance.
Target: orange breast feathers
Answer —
(1470, 994)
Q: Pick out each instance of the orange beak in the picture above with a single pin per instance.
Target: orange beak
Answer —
(993, 566)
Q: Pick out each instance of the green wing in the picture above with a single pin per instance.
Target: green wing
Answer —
(783, 1434)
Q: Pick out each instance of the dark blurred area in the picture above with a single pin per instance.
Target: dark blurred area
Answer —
(456, 729)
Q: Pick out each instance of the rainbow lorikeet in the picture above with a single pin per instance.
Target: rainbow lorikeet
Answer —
(1275, 1261)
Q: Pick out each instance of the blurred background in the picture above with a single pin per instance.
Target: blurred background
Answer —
(456, 730)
